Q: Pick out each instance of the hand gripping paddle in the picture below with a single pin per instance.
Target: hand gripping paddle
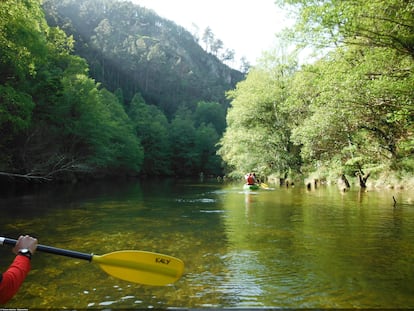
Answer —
(132, 266)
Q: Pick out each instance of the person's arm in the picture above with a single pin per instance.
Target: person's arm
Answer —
(13, 278)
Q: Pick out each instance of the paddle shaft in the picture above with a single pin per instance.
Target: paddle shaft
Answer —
(51, 250)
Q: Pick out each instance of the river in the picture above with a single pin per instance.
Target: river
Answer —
(275, 248)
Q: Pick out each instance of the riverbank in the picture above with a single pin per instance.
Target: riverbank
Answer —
(385, 180)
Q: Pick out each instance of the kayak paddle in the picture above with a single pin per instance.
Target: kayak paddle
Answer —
(264, 186)
(133, 266)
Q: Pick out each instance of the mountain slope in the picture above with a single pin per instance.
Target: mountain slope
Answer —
(132, 49)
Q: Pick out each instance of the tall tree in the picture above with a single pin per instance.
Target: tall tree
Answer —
(211, 113)
(207, 38)
(183, 140)
(216, 46)
(208, 161)
(258, 136)
(228, 55)
(22, 50)
(152, 127)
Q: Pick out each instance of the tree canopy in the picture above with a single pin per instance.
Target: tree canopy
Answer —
(161, 110)
(59, 123)
(348, 112)
(376, 23)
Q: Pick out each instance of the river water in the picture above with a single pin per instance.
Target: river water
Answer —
(279, 248)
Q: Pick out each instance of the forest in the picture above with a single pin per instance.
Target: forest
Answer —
(348, 114)
(98, 88)
(138, 98)
(131, 49)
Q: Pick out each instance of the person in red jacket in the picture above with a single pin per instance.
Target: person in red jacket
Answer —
(12, 279)
(250, 179)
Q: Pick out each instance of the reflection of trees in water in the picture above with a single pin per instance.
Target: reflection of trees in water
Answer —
(286, 248)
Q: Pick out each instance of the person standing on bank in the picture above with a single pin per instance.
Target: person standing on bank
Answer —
(13, 277)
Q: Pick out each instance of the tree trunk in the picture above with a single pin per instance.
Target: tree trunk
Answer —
(363, 179)
(345, 181)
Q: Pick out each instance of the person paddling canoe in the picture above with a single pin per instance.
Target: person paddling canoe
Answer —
(250, 179)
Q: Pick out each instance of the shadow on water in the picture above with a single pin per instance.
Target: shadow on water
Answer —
(287, 248)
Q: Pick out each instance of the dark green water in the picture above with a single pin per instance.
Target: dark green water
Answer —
(286, 248)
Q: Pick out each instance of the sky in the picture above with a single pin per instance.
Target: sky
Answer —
(245, 26)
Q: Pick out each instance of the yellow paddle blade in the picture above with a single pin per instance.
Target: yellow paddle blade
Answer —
(141, 267)
(264, 186)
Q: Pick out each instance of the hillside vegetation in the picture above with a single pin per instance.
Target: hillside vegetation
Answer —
(131, 48)
(123, 92)
(104, 87)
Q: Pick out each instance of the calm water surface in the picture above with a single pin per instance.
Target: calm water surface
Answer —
(287, 248)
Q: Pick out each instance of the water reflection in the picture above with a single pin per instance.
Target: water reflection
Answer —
(286, 248)
(324, 251)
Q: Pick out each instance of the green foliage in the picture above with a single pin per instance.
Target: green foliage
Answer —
(376, 23)
(348, 112)
(211, 113)
(15, 111)
(193, 146)
(54, 119)
(122, 146)
(152, 127)
(361, 106)
(351, 111)
(22, 39)
(206, 139)
(131, 48)
(257, 135)
(15, 116)
(183, 141)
